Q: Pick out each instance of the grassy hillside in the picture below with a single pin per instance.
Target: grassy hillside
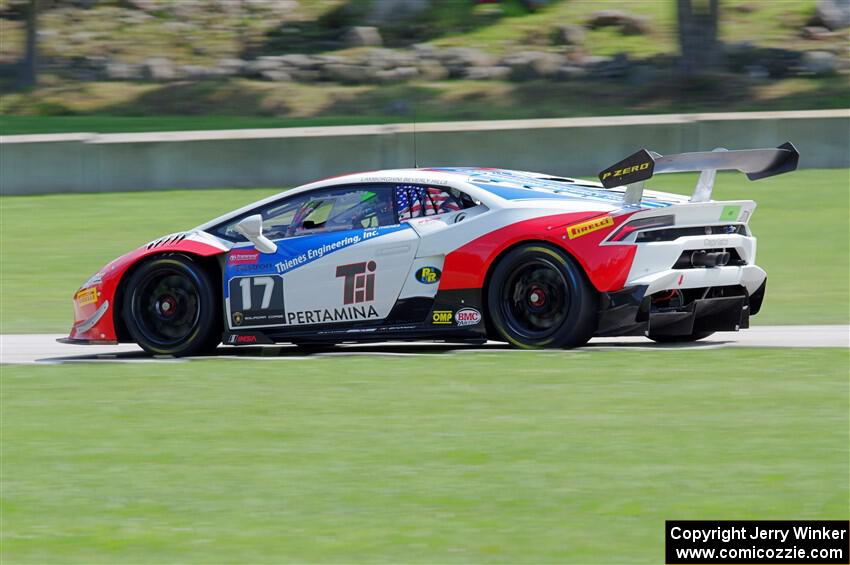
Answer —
(215, 30)
(204, 37)
(807, 261)
(772, 24)
(107, 107)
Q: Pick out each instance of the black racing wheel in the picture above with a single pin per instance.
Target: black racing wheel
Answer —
(539, 297)
(696, 336)
(170, 307)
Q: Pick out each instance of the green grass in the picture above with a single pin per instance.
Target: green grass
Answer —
(523, 457)
(77, 235)
(51, 244)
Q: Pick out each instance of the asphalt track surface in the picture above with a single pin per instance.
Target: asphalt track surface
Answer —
(43, 348)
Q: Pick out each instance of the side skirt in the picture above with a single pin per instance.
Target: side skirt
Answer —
(452, 315)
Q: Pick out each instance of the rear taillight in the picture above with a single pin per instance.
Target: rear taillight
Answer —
(642, 224)
(674, 233)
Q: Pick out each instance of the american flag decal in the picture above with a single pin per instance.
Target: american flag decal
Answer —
(417, 201)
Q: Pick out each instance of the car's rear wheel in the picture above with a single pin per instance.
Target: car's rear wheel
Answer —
(696, 336)
(170, 307)
(539, 297)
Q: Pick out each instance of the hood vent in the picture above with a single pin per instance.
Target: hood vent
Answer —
(167, 240)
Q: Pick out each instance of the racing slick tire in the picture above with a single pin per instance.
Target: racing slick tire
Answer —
(538, 297)
(696, 336)
(171, 308)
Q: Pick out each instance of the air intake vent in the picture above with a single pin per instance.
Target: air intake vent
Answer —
(672, 234)
(167, 240)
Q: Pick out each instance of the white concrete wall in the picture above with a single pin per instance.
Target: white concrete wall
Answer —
(37, 164)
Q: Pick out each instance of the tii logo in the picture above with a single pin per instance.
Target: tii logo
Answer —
(359, 282)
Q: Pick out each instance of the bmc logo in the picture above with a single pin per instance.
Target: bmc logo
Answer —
(467, 317)
(359, 285)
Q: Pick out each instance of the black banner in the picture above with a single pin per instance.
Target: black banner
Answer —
(634, 168)
(757, 541)
(256, 301)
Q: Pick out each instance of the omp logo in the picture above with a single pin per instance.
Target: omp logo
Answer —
(428, 275)
(626, 170)
(359, 285)
(86, 296)
(441, 317)
(584, 228)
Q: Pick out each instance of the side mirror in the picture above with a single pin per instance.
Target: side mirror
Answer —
(252, 228)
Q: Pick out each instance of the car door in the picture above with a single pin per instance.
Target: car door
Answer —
(341, 258)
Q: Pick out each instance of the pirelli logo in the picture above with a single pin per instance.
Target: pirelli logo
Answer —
(86, 296)
(634, 168)
(584, 228)
(626, 170)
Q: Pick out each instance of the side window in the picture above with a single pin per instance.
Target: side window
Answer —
(347, 208)
(277, 218)
(344, 208)
(416, 201)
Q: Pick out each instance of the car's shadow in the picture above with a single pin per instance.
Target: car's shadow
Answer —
(391, 349)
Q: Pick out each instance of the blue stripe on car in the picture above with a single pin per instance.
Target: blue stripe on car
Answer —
(515, 185)
(295, 252)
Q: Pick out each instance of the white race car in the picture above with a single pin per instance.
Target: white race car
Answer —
(455, 254)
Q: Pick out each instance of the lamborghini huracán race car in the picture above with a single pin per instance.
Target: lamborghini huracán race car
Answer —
(455, 254)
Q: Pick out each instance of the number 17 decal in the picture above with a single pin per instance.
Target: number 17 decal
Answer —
(268, 285)
(256, 301)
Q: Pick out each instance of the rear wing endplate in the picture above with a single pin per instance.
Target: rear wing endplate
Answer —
(755, 163)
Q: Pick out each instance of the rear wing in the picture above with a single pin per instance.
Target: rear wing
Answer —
(755, 163)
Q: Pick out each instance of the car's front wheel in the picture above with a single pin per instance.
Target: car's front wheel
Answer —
(170, 307)
(539, 297)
